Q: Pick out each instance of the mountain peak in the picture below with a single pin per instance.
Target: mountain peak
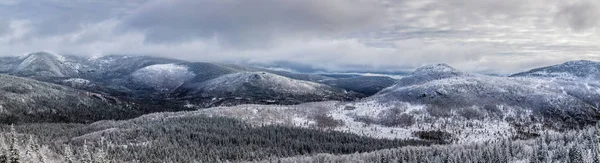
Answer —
(580, 62)
(429, 73)
(579, 69)
(40, 54)
(44, 55)
(440, 67)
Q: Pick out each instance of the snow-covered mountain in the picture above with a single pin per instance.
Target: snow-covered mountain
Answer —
(262, 87)
(448, 92)
(44, 65)
(163, 77)
(28, 100)
(572, 70)
(438, 98)
(159, 79)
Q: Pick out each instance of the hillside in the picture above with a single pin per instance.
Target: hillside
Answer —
(261, 87)
(463, 106)
(174, 82)
(572, 70)
(27, 100)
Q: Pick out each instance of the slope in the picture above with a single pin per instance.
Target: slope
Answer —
(261, 87)
(27, 100)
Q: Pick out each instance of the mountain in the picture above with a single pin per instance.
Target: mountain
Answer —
(144, 79)
(446, 92)
(572, 70)
(440, 102)
(27, 100)
(261, 87)
(580, 79)
(162, 77)
(41, 65)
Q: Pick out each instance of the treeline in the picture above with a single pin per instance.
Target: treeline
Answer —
(201, 139)
(582, 146)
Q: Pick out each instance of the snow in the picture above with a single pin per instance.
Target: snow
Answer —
(40, 62)
(480, 131)
(515, 98)
(163, 77)
(302, 116)
(237, 81)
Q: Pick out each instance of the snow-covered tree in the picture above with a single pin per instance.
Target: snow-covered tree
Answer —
(13, 146)
(68, 154)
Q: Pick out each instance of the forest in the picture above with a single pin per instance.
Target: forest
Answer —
(186, 139)
(214, 139)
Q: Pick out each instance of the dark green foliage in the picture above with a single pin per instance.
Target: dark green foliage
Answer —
(325, 121)
(433, 135)
(12, 146)
(471, 113)
(17, 88)
(395, 117)
(439, 111)
(575, 155)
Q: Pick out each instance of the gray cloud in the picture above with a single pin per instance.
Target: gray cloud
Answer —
(55, 17)
(240, 22)
(581, 15)
(337, 35)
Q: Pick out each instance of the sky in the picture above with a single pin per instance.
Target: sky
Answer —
(486, 36)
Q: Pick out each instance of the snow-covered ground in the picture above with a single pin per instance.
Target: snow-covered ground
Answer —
(303, 115)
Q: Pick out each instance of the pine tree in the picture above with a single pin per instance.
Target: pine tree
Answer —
(595, 154)
(86, 156)
(3, 157)
(12, 149)
(68, 153)
(100, 156)
(575, 154)
(34, 150)
(29, 149)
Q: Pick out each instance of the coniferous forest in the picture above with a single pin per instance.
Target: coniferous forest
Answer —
(227, 140)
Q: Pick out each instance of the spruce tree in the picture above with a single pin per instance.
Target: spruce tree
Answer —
(12, 149)
(86, 156)
(68, 154)
(34, 149)
(575, 154)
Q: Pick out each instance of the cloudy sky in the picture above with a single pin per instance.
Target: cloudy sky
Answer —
(489, 36)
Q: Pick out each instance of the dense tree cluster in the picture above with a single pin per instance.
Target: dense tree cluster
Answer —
(582, 146)
(202, 139)
(215, 139)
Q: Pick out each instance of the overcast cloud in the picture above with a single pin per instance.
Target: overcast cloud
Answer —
(487, 36)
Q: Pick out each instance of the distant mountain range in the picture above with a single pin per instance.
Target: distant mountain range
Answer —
(80, 89)
(562, 97)
(158, 84)
(139, 77)
(455, 105)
